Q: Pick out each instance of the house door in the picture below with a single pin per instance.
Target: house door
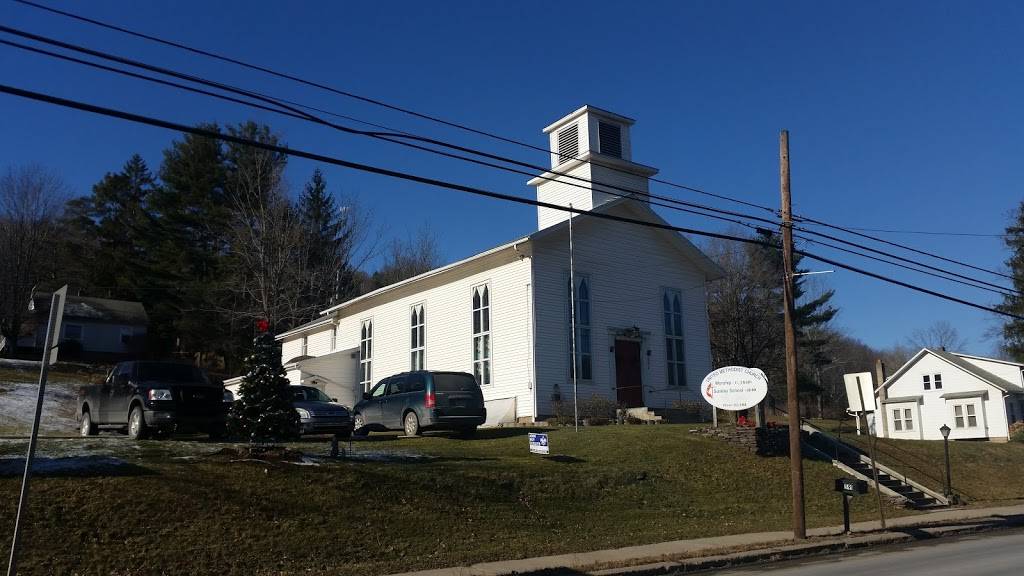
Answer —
(628, 385)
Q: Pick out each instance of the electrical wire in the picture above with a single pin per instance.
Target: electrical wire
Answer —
(436, 119)
(293, 112)
(197, 131)
(355, 96)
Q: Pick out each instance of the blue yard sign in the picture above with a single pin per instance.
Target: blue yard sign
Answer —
(539, 443)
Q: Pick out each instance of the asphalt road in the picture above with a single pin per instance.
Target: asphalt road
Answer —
(986, 554)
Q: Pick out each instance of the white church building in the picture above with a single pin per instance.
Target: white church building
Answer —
(504, 314)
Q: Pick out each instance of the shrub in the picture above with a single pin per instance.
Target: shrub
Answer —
(598, 408)
(1017, 432)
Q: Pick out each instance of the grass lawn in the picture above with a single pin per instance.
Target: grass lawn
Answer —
(986, 473)
(475, 500)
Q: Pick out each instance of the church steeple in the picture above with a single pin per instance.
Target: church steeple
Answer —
(590, 150)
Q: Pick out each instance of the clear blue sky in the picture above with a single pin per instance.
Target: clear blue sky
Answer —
(902, 115)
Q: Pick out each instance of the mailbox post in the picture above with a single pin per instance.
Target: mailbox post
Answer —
(849, 487)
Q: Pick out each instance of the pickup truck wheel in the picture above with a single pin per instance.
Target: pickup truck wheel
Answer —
(412, 424)
(136, 424)
(88, 428)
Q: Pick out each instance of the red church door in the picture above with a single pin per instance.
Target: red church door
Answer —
(628, 385)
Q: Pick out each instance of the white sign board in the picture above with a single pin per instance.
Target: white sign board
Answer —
(55, 342)
(853, 393)
(539, 444)
(735, 387)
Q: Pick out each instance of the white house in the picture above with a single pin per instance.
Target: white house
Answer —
(504, 314)
(978, 398)
(101, 329)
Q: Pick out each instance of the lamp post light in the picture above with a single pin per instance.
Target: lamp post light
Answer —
(945, 439)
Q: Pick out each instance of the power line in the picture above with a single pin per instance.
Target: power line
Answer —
(140, 119)
(931, 233)
(905, 247)
(905, 266)
(295, 113)
(354, 96)
(377, 102)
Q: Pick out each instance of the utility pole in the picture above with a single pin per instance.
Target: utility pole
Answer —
(793, 400)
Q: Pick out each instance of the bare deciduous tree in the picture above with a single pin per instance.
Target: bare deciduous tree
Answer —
(31, 198)
(409, 257)
(939, 336)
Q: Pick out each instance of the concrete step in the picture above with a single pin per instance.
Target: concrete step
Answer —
(644, 413)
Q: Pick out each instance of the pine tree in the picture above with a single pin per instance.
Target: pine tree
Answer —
(191, 210)
(328, 240)
(264, 412)
(1013, 303)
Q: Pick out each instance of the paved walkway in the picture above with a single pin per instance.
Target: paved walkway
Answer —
(703, 547)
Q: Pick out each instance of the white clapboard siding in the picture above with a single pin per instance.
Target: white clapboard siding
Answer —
(628, 268)
(447, 300)
(936, 411)
(564, 191)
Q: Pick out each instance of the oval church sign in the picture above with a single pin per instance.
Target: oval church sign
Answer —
(735, 387)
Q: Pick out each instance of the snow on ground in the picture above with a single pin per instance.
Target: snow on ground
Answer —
(18, 406)
(15, 466)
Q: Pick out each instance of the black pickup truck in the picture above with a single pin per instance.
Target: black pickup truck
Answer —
(153, 398)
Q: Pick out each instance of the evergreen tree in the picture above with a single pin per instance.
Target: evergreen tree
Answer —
(328, 240)
(746, 314)
(116, 218)
(191, 211)
(1013, 303)
(263, 411)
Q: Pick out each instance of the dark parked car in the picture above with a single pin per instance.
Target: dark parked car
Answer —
(319, 414)
(417, 401)
(154, 397)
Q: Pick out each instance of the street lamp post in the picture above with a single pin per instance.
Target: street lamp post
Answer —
(945, 439)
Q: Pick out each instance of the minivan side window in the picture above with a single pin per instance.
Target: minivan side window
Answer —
(397, 386)
(417, 383)
(379, 389)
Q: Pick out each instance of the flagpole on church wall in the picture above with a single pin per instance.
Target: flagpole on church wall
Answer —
(572, 325)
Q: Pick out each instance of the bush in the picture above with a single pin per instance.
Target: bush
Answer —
(598, 408)
(1017, 432)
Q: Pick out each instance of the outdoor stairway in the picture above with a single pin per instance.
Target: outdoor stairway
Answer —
(857, 464)
(645, 414)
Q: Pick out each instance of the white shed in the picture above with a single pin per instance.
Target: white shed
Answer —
(977, 397)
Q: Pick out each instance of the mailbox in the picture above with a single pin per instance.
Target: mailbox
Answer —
(851, 486)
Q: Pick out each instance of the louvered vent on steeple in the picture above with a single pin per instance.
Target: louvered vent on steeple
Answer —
(611, 139)
(569, 143)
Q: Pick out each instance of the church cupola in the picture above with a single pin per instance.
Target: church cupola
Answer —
(591, 163)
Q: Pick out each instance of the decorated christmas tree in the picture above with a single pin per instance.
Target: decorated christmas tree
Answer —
(263, 411)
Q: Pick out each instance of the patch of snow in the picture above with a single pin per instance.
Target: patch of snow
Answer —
(15, 466)
(385, 456)
(18, 407)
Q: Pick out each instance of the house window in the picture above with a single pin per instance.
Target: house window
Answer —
(305, 345)
(482, 334)
(73, 332)
(908, 421)
(897, 420)
(418, 344)
(674, 350)
(366, 354)
(334, 337)
(964, 416)
(938, 381)
(927, 382)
